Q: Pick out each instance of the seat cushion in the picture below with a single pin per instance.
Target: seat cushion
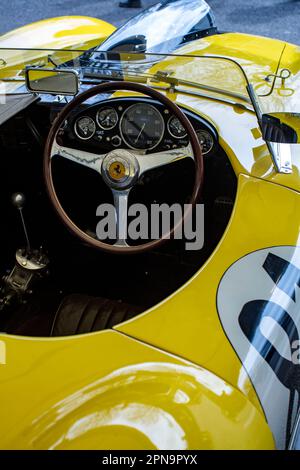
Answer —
(78, 314)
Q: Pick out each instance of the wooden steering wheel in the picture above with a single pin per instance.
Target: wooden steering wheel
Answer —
(132, 164)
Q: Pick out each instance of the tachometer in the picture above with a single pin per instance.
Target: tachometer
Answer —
(206, 141)
(176, 129)
(142, 126)
(85, 127)
(107, 118)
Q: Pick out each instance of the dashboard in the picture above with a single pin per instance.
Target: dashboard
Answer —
(133, 123)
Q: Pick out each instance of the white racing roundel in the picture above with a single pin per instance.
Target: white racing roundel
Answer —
(258, 302)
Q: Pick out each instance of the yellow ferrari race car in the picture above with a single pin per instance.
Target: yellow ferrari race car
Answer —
(150, 254)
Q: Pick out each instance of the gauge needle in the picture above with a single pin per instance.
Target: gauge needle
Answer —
(140, 133)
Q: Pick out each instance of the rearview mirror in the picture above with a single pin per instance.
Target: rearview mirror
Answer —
(52, 81)
(283, 128)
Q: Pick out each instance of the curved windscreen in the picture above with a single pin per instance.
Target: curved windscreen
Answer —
(163, 27)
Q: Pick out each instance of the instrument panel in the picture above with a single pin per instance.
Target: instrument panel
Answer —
(135, 123)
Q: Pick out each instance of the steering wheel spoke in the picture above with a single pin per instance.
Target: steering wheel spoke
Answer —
(121, 206)
(87, 159)
(166, 157)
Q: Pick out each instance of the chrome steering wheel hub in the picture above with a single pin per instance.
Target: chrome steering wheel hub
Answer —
(120, 169)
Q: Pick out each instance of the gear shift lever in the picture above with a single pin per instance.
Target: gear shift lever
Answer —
(30, 266)
(18, 200)
(29, 258)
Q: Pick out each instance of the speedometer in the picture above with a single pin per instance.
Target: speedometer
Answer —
(142, 126)
(85, 127)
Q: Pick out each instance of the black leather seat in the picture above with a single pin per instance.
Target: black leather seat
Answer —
(78, 314)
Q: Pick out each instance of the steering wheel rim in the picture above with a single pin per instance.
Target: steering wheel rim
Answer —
(51, 139)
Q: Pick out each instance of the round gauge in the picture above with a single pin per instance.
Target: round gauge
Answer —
(142, 126)
(176, 129)
(206, 141)
(85, 127)
(107, 118)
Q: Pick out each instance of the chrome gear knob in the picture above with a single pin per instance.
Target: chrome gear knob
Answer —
(18, 200)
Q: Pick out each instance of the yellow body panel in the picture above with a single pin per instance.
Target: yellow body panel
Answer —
(107, 391)
(247, 49)
(187, 323)
(66, 32)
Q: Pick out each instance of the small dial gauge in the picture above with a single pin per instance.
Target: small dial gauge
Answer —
(142, 126)
(176, 129)
(206, 141)
(85, 127)
(107, 118)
